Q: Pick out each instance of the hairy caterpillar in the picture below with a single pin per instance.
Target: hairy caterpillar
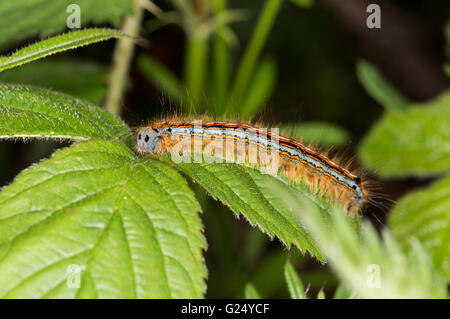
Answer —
(248, 144)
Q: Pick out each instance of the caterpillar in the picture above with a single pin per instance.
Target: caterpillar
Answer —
(253, 145)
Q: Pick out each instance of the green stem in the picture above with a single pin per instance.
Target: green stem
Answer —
(221, 63)
(121, 60)
(196, 56)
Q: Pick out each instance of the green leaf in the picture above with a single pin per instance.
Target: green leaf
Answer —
(304, 4)
(220, 61)
(321, 294)
(342, 293)
(378, 88)
(251, 292)
(260, 33)
(84, 79)
(371, 266)
(447, 38)
(130, 226)
(424, 214)
(261, 88)
(23, 18)
(33, 112)
(161, 76)
(245, 191)
(415, 142)
(272, 262)
(59, 43)
(320, 133)
(293, 282)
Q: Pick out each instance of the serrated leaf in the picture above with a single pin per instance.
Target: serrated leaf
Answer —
(295, 286)
(246, 191)
(34, 112)
(83, 79)
(424, 214)
(251, 292)
(321, 294)
(343, 293)
(250, 59)
(378, 88)
(413, 142)
(371, 266)
(23, 18)
(130, 226)
(321, 133)
(56, 44)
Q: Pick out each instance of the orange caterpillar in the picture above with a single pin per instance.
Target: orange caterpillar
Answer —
(252, 145)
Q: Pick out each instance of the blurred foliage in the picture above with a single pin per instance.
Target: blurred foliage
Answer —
(342, 293)
(412, 140)
(303, 3)
(254, 82)
(424, 214)
(235, 60)
(244, 191)
(370, 265)
(251, 292)
(319, 133)
(295, 286)
(163, 78)
(97, 221)
(40, 113)
(447, 38)
(378, 88)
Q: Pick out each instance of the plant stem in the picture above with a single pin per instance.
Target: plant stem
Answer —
(121, 60)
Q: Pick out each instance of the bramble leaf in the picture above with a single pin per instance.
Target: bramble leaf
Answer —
(161, 76)
(260, 89)
(320, 133)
